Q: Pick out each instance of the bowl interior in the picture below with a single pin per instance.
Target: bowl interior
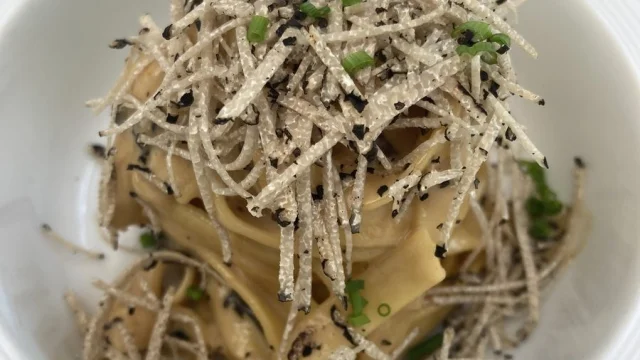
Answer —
(54, 57)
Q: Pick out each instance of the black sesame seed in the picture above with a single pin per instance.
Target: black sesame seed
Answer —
(382, 189)
(282, 29)
(380, 10)
(186, 99)
(484, 152)
(322, 23)
(440, 252)
(542, 102)
(279, 220)
(358, 103)
(132, 310)
(394, 213)
(493, 88)
(503, 49)
(399, 105)
(510, 135)
(579, 162)
(99, 151)
(476, 183)
(483, 75)
(172, 119)
(545, 163)
(444, 184)
(168, 188)
(424, 196)
(166, 34)
(290, 41)
(439, 227)
(466, 38)
(273, 162)
(120, 43)
(297, 152)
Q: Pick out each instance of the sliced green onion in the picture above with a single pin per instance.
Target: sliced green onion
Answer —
(480, 30)
(195, 293)
(357, 61)
(540, 229)
(535, 207)
(552, 207)
(425, 348)
(384, 310)
(314, 12)
(359, 320)
(353, 286)
(487, 51)
(500, 39)
(347, 3)
(148, 240)
(258, 26)
(357, 303)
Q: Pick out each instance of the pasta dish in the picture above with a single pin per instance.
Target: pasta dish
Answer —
(331, 179)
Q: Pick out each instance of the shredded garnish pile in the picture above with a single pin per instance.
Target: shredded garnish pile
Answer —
(266, 89)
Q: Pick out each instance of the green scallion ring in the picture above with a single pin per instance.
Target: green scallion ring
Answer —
(258, 26)
(500, 39)
(148, 240)
(314, 12)
(195, 293)
(357, 61)
(384, 310)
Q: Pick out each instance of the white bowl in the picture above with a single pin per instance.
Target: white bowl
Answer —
(53, 57)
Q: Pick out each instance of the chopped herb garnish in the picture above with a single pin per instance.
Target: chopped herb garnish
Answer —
(195, 293)
(347, 3)
(486, 50)
(357, 61)
(357, 303)
(359, 320)
(148, 240)
(535, 207)
(475, 38)
(314, 12)
(258, 26)
(541, 205)
(425, 348)
(480, 30)
(500, 39)
(540, 229)
(384, 310)
(353, 286)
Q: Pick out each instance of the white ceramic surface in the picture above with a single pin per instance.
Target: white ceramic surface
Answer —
(53, 56)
